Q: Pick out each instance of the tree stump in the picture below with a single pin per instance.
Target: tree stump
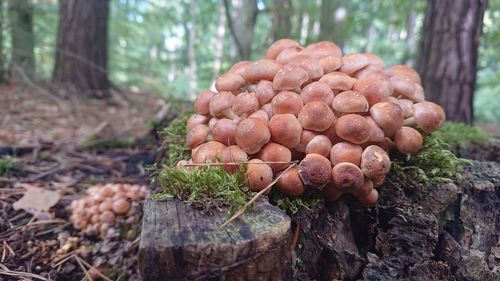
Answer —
(179, 242)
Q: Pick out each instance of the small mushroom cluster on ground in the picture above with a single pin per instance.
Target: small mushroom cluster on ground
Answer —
(104, 205)
(339, 115)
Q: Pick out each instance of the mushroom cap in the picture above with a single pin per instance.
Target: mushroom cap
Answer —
(305, 137)
(374, 89)
(403, 86)
(245, 103)
(312, 66)
(252, 134)
(322, 49)
(319, 144)
(370, 199)
(232, 154)
(353, 62)
(264, 69)
(221, 103)
(290, 77)
(388, 116)
(365, 189)
(279, 46)
(121, 206)
(196, 119)
(317, 91)
(375, 162)
(350, 102)
(264, 92)
(212, 122)
(107, 216)
(404, 70)
(330, 63)
(347, 177)
(239, 67)
(406, 106)
(429, 116)
(374, 59)
(197, 135)
(408, 140)
(315, 170)
(224, 131)
(330, 193)
(208, 151)
(353, 128)
(338, 81)
(202, 101)
(371, 70)
(376, 133)
(316, 116)
(287, 54)
(258, 175)
(274, 152)
(261, 114)
(346, 152)
(285, 129)
(290, 183)
(287, 102)
(419, 93)
(229, 82)
(268, 108)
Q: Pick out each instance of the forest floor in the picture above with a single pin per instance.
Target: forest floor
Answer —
(67, 144)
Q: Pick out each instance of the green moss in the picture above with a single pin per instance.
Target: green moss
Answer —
(7, 165)
(293, 205)
(459, 135)
(175, 139)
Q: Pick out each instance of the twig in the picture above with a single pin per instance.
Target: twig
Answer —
(25, 275)
(296, 235)
(244, 208)
(78, 260)
(95, 269)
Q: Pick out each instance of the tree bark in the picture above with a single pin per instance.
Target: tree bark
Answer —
(81, 55)
(219, 42)
(21, 26)
(242, 16)
(448, 54)
(282, 12)
(193, 78)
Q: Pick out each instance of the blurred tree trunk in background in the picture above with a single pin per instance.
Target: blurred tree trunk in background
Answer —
(281, 13)
(410, 35)
(2, 57)
(241, 17)
(447, 59)
(81, 55)
(23, 42)
(193, 78)
(219, 42)
(333, 21)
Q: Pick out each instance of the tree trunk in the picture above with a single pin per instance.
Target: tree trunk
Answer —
(447, 59)
(2, 58)
(81, 55)
(242, 15)
(282, 12)
(219, 42)
(332, 21)
(21, 26)
(193, 78)
(410, 36)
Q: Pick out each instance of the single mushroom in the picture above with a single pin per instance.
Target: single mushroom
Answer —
(347, 177)
(121, 206)
(252, 134)
(375, 162)
(264, 92)
(274, 152)
(388, 116)
(406, 106)
(229, 82)
(322, 49)
(202, 101)
(353, 128)
(350, 102)
(315, 170)
(239, 68)
(404, 70)
(224, 131)
(371, 70)
(285, 129)
(290, 77)
(290, 183)
(374, 89)
(403, 86)
(279, 46)
(197, 135)
(287, 54)
(312, 66)
(427, 115)
(338, 81)
(232, 154)
(319, 144)
(353, 62)
(258, 175)
(330, 63)
(221, 105)
(316, 116)
(244, 104)
(346, 152)
(264, 69)
(208, 151)
(287, 102)
(376, 133)
(408, 140)
(305, 137)
(196, 119)
(419, 95)
(317, 91)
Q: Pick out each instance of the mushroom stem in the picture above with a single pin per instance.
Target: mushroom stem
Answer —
(410, 122)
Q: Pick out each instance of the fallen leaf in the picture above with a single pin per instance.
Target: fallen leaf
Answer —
(37, 200)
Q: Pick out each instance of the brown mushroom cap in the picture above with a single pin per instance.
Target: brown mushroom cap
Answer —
(338, 81)
(287, 54)
(197, 135)
(406, 106)
(121, 206)
(305, 137)
(224, 131)
(279, 46)
(371, 70)
(403, 86)
(196, 119)
(290, 77)
(419, 93)
(312, 66)
(221, 105)
(261, 70)
(364, 190)
(264, 92)
(370, 199)
(232, 154)
(388, 116)
(244, 104)
(287, 102)
(322, 49)
(330, 63)
(229, 82)
(375, 162)
(212, 122)
(374, 89)
(316, 116)
(274, 152)
(202, 101)
(353, 128)
(374, 60)
(289, 182)
(347, 177)
(319, 144)
(404, 70)
(268, 108)
(258, 175)
(252, 134)
(261, 114)
(330, 193)
(376, 133)
(353, 62)
(315, 170)
(285, 129)
(208, 151)
(239, 68)
(408, 140)
(350, 102)
(317, 91)
(346, 152)
(428, 116)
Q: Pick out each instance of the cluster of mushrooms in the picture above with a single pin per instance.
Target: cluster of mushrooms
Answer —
(339, 115)
(105, 205)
